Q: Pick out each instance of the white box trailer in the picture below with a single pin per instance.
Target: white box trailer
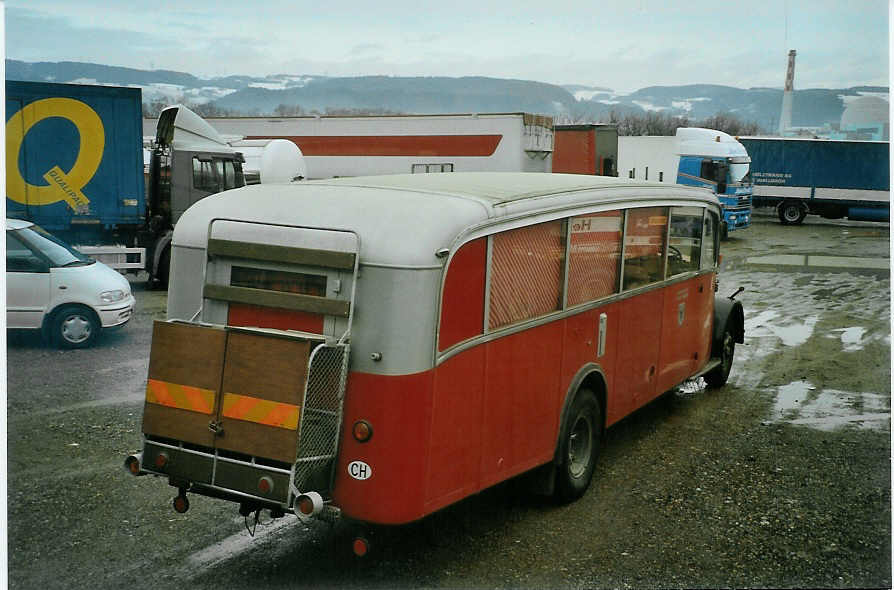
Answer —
(336, 146)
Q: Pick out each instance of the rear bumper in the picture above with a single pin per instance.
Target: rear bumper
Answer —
(210, 473)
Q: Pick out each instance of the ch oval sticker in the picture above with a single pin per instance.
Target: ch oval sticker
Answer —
(359, 470)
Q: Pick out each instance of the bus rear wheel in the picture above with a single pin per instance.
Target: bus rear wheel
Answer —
(580, 440)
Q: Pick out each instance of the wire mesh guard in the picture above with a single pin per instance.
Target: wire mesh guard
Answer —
(321, 417)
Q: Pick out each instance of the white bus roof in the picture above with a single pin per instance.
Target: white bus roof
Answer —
(404, 219)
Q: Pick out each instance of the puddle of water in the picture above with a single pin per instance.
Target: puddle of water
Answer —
(789, 262)
(852, 338)
(799, 403)
(760, 320)
(796, 334)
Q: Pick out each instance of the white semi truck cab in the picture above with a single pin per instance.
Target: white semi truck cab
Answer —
(694, 157)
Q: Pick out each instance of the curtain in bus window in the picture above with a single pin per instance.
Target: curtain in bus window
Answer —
(526, 273)
(277, 280)
(240, 314)
(685, 242)
(644, 246)
(710, 240)
(593, 257)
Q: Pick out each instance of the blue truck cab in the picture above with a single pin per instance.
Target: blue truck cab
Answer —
(717, 161)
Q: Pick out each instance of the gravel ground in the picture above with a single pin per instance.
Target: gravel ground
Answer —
(780, 479)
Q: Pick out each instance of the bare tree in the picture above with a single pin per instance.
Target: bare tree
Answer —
(288, 110)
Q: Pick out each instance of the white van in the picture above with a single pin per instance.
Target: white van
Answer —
(52, 287)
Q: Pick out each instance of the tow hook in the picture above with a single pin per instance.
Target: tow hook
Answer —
(739, 290)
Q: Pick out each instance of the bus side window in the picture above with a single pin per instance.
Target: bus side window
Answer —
(710, 240)
(685, 244)
(462, 303)
(593, 257)
(526, 276)
(644, 246)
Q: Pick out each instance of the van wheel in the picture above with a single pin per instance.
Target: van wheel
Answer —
(792, 212)
(74, 326)
(718, 376)
(579, 442)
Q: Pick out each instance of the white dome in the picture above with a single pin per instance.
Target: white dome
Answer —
(866, 110)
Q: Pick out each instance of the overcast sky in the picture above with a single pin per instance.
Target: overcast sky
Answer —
(619, 44)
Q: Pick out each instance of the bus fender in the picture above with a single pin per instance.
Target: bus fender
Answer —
(542, 480)
(586, 374)
(728, 314)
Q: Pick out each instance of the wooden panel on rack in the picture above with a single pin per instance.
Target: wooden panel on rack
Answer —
(263, 387)
(185, 369)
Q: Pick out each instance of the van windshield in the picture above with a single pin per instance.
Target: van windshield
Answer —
(57, 252)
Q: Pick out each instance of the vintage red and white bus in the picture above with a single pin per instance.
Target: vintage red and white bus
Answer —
(381, 347)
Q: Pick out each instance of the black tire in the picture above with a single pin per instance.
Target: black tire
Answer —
(579, 447)
(74, 326)
(724, 232)
(792, 212)
(718, 376)
(164, 267)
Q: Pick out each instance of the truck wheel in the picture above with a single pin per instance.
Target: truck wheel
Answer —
(74, 326)
(724, 232)
(164, 267)
(718, 376)
(579, 447)
(792, 212)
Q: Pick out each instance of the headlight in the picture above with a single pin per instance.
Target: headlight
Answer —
(112, 296)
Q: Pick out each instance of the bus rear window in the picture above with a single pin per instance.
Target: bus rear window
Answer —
(526, 273)
(277, 280)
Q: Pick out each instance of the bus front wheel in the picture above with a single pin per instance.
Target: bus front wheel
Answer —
(580, 447)
(718, 376)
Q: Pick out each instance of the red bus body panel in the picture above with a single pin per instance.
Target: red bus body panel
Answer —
(492, 411)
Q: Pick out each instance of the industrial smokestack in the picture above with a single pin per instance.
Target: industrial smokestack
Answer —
(785, 118)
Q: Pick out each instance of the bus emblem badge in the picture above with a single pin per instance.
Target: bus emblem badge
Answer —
(359, 470)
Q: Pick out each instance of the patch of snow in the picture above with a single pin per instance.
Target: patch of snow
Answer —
(849, 98)
(589, 94)
(282, 85)
(646, 106)
(686, 103)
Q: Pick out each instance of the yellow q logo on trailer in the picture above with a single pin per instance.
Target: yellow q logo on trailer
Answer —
(61, 185)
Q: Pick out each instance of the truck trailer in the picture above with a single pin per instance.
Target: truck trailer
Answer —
(75, 166)
(336, 146)
(694, 156)
(831, 178)
(73, 163)
(586, 149)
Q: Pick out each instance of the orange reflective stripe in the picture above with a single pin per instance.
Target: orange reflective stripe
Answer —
(183, 397)
(260, 411)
